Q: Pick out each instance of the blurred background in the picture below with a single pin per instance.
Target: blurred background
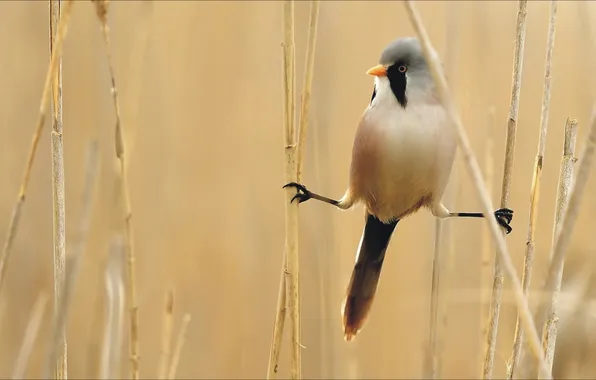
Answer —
(201, 99)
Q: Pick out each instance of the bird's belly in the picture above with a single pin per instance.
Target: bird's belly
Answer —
(410, 168)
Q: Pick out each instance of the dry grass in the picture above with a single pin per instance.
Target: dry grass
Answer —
(472, 165)
(101, 7)
(487, 256)
(189, 235)
(497, 287)
(56, 55)
(74, 261)
(535, 190)
(549, 334)
(294, 140)
(166, 334)
(58, 200)
(178, 348)
(442, 257)
(567, 224)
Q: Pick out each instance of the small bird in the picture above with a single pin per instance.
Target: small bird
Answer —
(402, 156)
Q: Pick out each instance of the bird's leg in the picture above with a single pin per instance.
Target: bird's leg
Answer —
(303, 194)
(503, 215)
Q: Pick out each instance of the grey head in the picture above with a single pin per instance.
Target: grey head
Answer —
(402, 63)
(406, 50)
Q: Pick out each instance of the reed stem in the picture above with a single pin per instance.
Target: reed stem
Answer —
(536, 180)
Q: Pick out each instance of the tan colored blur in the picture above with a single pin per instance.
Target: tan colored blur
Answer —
(206, 172)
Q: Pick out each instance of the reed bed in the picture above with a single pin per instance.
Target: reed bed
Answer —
(124, 312)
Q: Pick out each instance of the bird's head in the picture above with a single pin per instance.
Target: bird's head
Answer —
(402, 72)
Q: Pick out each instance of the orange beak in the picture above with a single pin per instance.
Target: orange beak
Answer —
(378, 71)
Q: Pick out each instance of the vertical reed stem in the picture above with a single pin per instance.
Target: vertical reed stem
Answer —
(166, 335)
(535, 192)
(101, 7)
(293, 141)
(497, 288)
(489, 163)
(45, 99)
(549, 335)
(567, 223)
(58, 201)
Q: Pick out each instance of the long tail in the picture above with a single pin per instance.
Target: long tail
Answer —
(365, 276)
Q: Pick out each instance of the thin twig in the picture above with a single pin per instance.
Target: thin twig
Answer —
(567, 223)
(293, 144)
(35, 319)
(114, 318)
(549, 334)
(535, 192)
(45, 98)
(474, 169)
(178, 348)
(120, 145)
(91, 170)
(58, 201)
(497, 286)
(166, 335)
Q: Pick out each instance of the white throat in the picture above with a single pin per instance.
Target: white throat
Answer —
(384, 96)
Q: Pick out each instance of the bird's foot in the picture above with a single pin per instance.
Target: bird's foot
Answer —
(504, 217)
(302, 194)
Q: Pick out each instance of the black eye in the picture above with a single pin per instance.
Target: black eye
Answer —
(402, 68)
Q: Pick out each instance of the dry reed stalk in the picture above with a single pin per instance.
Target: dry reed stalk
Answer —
(292, 261)
(114, 319)
(432, 357)
(45, 98)
(35, 319)
(166, 335)
(497, 286)
(474, 169)
(134, 88)
(535, 191)
(59, 323)
(489, 164)
(307, 85)
(58, 199)
(549, 334)
(452, 190)
(293, 141)
(567, 223)
(443, 232)
(322, 226)
(101, 7)
(178, 348)
(278, 326)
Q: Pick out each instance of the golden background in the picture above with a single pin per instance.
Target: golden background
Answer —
(202, 110)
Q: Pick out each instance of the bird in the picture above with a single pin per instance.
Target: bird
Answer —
(403, 151)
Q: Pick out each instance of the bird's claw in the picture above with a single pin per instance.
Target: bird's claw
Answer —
(504, 217)
(302, 194)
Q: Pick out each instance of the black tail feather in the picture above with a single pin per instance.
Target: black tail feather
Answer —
(365, 276)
